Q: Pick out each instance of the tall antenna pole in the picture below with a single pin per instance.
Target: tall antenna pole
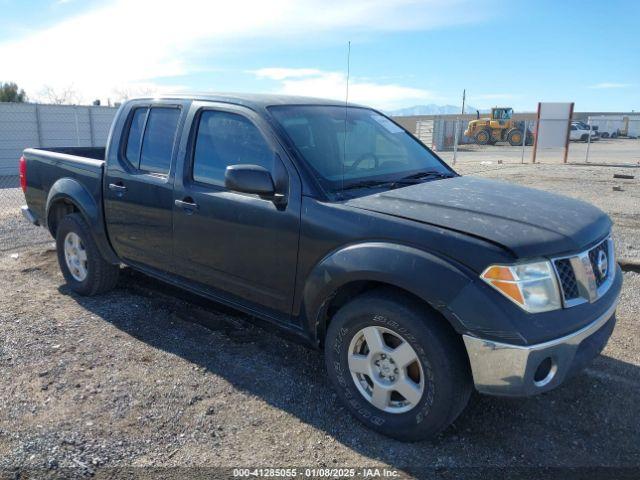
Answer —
(464, 95)
(346, 98)
(346, 110)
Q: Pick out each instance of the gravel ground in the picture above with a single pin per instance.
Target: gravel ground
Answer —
(150, 376)
(15, 232)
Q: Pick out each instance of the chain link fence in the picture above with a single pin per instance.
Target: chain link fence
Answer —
(606, 130)
(595, 139)
(24, 125)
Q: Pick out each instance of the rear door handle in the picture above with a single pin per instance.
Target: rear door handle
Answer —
(186, 205)
(118, 188)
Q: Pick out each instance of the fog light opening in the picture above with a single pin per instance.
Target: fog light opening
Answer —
(545, 372)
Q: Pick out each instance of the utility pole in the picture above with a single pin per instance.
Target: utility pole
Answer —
(457, 129)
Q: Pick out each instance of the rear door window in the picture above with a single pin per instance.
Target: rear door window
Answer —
(225, 139)
(159, 137)
(134, 139)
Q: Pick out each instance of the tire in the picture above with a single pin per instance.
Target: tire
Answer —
(514, 138)
(483, 137)
(584, 137)
(440, 365)
(91, 274)
(605, 135)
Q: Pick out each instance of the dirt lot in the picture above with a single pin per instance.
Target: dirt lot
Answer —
(148, 376)
(622, 151)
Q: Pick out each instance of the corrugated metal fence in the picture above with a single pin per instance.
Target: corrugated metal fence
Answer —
(25, 125)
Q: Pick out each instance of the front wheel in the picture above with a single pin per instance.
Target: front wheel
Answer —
(83, 267)
(397, 365)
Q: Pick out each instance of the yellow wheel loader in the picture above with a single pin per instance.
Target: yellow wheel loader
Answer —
(500, 127)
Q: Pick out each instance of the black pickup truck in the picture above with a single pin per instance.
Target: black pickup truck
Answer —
(333, 222)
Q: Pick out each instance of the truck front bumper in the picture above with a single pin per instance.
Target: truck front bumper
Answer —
(514, 370)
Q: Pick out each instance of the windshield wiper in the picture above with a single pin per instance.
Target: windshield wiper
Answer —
(427, 174)
(408, 180)
(366, 184)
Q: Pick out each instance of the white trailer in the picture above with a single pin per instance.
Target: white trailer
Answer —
(609, 126)
(632, 126)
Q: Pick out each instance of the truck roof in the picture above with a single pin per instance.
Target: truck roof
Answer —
(254, 101)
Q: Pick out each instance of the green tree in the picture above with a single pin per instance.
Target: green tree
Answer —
(9, 92)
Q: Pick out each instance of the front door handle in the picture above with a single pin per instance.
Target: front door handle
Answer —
(188, 205)
(119, 188)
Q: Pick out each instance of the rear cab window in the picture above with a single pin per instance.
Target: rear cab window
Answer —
(134, 139)
(151, 137)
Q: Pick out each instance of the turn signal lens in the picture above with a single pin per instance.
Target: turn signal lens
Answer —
(531, 286)
(498, 273)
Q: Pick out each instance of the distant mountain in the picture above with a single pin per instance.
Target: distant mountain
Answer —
(431, 109)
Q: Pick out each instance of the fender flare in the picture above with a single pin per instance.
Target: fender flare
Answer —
(71, 191)
(434, 279)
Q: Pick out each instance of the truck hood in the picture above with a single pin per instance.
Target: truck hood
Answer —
(528, 222)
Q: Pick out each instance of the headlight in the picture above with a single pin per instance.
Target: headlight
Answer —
(532, 286)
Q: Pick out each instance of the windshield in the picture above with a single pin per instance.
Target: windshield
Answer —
(503, 114)
(375, 150)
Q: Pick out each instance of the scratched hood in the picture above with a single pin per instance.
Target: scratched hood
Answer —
(528, 222)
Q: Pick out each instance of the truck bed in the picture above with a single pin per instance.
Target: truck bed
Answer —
(46, 166)
(96, 153)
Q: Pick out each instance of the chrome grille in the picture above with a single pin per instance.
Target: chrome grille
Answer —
(567, 278)
(586, 276)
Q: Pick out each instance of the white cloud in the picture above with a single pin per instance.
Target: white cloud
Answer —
(128, 42)
(318, 83)
(607, 85)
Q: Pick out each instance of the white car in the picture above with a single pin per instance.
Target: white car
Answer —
(578, 132)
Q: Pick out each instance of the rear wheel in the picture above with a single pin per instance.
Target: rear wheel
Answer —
(483, 137)
(81, 263)
(397, 365)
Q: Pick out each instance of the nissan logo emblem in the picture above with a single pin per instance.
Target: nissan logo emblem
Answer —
(602, 264)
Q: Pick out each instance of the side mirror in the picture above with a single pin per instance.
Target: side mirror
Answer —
(249, 179)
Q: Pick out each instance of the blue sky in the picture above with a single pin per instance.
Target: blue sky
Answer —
(404, 52)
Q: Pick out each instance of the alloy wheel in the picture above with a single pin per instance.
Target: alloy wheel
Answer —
(75, 255)
(386, 370)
